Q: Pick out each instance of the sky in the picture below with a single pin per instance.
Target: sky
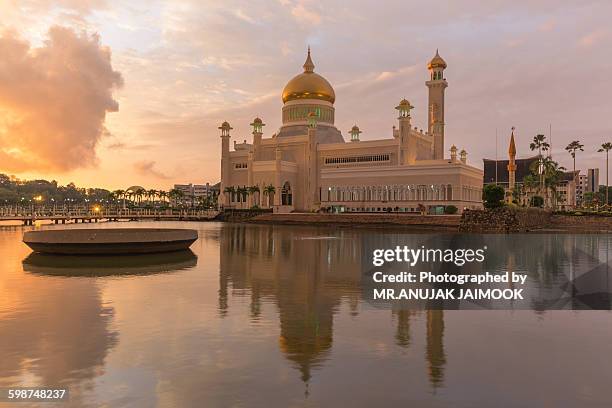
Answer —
(112, 93)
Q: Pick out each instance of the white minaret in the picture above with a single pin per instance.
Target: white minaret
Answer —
(225, 161)
(406, 154)
(436, 84)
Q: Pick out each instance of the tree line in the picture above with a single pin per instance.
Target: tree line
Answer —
(14, 191)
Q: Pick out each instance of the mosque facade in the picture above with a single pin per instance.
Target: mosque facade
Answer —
(307, 165)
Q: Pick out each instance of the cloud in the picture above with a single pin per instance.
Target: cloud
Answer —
(548, 25)
(147, 168)
(305, 15)
(592, 38)
(119, 145)
(54, 100)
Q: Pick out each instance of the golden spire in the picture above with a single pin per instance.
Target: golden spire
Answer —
(308, 65)
(512, 149)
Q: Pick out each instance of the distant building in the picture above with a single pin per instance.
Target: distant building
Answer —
(587, 183)
(196, 193)
(510, 174)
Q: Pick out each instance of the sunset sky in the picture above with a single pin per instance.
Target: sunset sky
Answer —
(117, 93)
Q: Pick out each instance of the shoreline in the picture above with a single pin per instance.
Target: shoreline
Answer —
(561, 224)
(442, 223)
(555, 224)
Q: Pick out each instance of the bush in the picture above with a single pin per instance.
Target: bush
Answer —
(450, 209)
(493, 196)
(536, 201)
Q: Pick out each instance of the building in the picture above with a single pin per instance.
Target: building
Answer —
(307, 165)
(193, 194)
(587, 183)
(511, 173)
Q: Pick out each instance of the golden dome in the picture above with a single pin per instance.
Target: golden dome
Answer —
(308, 85)
(437, 62)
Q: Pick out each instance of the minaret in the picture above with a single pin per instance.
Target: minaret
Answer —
(312, 160)
(511, 164)
(355, 132)
(257, 134)
(225, 161)
(436, 84)
(407, 144)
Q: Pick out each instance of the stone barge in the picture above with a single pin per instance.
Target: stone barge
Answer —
(115, 241)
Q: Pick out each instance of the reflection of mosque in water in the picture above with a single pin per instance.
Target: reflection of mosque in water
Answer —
(308, 277)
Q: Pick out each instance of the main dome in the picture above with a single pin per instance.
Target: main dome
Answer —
(308, 85)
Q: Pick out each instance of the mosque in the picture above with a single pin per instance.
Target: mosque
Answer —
(307, 165)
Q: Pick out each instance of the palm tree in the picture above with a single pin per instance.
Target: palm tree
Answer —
(539, 143)
(269, 190)
(129, 195)
(230, 190)
(120, 194)
(550, 174)
(162, 195)
(139, 193)
(253, 190)
(175, 194)
(151, 194)
(572, 148)
(606, 147)
(553, 175)
(242, 193)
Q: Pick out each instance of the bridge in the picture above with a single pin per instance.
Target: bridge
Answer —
(29, 215)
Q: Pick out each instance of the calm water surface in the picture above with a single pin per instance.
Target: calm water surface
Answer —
(266, 316)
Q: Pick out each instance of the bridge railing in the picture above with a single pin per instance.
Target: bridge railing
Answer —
(65, 212)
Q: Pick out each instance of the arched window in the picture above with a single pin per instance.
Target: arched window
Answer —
(286, 195)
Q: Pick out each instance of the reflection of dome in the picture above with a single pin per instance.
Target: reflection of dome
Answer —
(437, 62)
(308, 85)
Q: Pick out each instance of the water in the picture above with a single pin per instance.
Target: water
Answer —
(266, 316)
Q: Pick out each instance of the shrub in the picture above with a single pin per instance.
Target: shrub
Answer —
(493, 196)
(536, 201)
(450, 209)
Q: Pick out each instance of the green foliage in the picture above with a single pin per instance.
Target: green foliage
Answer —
(493, 196)
(16, 191)
(536, 201)
(573, 147)
(602, 194)
(450, 209)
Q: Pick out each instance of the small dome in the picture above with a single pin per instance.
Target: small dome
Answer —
(404, 102)
(437, 62)
(404, 105)
(257, 120)
(308, 85)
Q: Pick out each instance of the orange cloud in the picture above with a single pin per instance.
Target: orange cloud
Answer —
(147, 168)
(592, 38)
(54, 100)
